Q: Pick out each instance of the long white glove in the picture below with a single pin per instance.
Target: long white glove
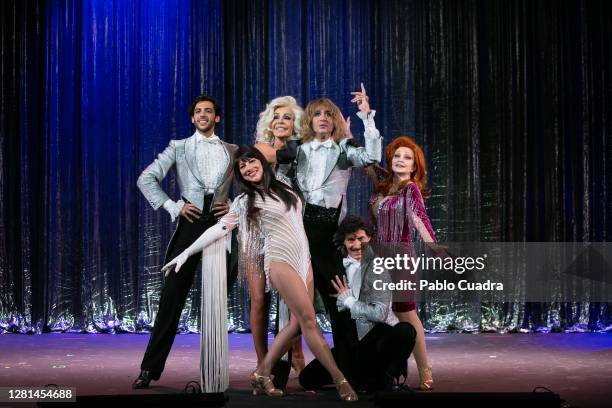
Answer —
(217, 231)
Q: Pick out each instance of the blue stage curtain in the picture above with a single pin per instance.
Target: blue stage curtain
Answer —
(511, 102)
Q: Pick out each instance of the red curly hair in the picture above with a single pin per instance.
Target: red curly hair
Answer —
(417, 177)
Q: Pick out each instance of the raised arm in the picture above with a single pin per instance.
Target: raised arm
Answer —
(376, 173)
(376, 305)
(375, 310)
(372, 152)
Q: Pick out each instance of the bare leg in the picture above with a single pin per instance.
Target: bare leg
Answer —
(291, 287)
(258, 316)
(420, 350)
(297, 358)
(298, 336)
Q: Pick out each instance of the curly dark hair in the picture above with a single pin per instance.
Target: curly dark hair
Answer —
(204, 98)
(350, 225)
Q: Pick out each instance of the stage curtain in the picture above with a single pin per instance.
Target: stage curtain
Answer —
(510, 100)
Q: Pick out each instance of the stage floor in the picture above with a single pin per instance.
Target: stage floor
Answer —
(576, 366)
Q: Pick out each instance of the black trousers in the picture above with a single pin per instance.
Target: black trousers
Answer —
(321, 224)
(176, 288)
(381, 355)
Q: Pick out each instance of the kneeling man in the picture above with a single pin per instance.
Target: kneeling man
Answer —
(383, 344)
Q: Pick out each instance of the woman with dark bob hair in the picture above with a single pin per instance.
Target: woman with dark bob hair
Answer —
(272, 209)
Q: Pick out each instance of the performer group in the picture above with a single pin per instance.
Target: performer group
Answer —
(289, 217)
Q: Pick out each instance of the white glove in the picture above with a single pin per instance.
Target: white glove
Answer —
(176, 263)
(346, 300)
(217, 231)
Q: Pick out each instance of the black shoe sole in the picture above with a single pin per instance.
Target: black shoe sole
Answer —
(142, 383)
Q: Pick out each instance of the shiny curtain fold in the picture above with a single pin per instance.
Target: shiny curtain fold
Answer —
(513, 107)
(511, 102)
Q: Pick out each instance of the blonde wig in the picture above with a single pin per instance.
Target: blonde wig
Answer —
(263, 133)
(339, 131)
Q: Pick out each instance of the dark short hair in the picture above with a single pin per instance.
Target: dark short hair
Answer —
(204, 98)
(350, 225)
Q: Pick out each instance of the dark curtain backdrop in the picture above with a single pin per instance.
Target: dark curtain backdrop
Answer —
(511, 101)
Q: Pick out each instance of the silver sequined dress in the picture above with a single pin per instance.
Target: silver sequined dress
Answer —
(281, 229)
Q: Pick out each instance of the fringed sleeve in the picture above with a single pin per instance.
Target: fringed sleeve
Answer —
(418, 214)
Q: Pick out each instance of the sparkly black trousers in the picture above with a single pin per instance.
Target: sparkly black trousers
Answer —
(321, 224)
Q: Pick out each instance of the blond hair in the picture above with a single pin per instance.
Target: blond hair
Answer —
(339, 131)
(263, 133)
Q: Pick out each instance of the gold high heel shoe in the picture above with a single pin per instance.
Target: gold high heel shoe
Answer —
(265, 385)
(345, 391)
(426, 379)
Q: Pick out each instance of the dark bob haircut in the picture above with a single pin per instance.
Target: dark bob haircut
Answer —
(269, 187)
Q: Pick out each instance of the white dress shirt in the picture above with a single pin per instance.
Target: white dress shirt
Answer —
(317, 159)
(212, 161)
(352, 268)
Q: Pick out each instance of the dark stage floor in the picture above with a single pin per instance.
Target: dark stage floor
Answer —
(576, 366)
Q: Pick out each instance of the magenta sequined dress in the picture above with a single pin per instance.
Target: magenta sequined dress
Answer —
(401, 217)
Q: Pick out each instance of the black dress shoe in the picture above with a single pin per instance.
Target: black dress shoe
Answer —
(144, 379)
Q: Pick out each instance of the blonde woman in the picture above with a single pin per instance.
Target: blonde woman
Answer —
(278, 133)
